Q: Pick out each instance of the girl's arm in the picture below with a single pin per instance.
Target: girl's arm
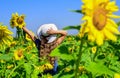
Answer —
(63, 34)
(29, 33)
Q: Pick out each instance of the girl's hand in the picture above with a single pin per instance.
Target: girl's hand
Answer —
(51, 31)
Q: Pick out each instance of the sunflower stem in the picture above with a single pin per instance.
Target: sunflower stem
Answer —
(78, 60)
(13, 70)
(19, 34)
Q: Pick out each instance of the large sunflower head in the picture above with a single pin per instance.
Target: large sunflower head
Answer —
(5, 36)
(18, 54)
(98, 23)
(17, 20)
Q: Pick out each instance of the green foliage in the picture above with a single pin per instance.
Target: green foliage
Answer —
(98, 69)
(72, 27)
(6, 57)
(104, 63)
(77, 11)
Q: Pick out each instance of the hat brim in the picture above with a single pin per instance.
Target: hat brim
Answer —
(51, 38)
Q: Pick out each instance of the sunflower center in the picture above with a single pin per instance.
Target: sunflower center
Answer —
(19, 54)
(20, 20)
(99, 18)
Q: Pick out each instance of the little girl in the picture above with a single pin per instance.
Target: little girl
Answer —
(46, 41)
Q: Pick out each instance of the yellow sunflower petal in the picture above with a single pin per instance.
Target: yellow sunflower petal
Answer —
(98, 2)
(112, 23)
(90, 5)
(111, 6)
(111, 28)
(86, 18)
(5, 42)
(91, 37)
(9, 38)
(110, 35)
(99, 38)
(113, 16)
(117, 75)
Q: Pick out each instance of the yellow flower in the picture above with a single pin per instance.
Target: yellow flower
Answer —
(5, 36)
(33, 56)
(94, 49)
(81, 68)
(46, 66)
(28, 48)
(17, 20)
(2, 61)
(116, 75)
(97, 20)
(13, 44)
(10, 66)
(67, 69)
(18, 54)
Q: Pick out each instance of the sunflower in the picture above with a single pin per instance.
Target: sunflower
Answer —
(46, 66)
(10, 66)
(5, 36)
(97, 20)
(13, 43)
(17, 20)
(18, 54)
(28, 48)
(67, 69)
(81, 68)
(116, 75)
(94, 49)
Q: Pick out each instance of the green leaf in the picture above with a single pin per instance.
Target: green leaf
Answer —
(67, 57)
(61, 49)
(77, 11)
(68, 76)
(35, 73)
(28, 69)
(84, 76)
(62, 52)
(28, 56)
(72, 27)
(99, 69)
(6, 57)
(61, 74)
(7, 72)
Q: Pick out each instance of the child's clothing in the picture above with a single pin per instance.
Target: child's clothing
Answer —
(45, 50)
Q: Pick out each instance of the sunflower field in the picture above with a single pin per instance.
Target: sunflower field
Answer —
(93, 53)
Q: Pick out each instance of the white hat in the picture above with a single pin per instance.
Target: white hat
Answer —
(42, 30)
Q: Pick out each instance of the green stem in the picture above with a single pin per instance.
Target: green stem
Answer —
(96, 53)
(19, 33)
(13, 70)
(78, 60)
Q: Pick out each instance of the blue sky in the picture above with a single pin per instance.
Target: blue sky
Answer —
(39, 12)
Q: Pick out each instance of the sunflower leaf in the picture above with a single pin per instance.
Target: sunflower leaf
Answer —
(6, 57)
(99, 69)
(72, 27)
(77, 11)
